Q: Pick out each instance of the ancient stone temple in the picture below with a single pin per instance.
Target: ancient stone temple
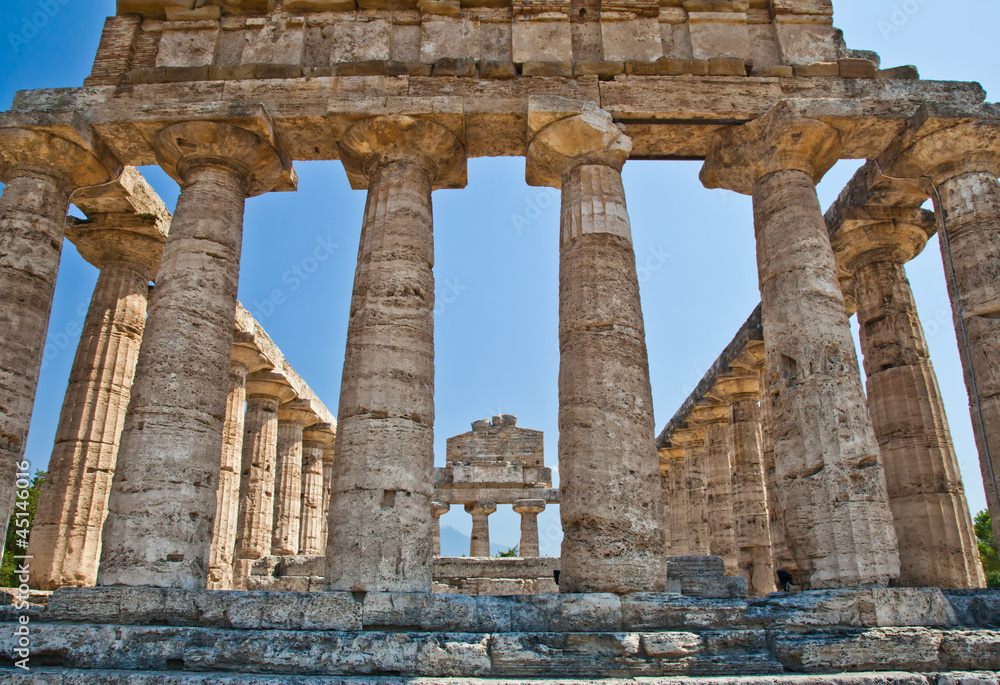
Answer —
(209, 520)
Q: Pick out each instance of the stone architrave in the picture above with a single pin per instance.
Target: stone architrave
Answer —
(827, 462)
(480, 511)
(714, 419)
(41, 171)
(438, 509)
(316, 440)
(65, 541)
(162, 506)
(694, 483)
(937, 543)
(529, 509)
(959, 165)
(611, 506)
(293, 417)
(751, 526)
(380, 515)
(266, 391)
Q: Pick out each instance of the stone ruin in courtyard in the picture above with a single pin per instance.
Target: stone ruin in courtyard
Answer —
(193, 464)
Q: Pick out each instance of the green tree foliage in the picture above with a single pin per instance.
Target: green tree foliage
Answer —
(17, 537)
(512, 552)
(988, 549)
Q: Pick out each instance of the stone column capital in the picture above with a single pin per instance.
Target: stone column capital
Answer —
(28, 152)
(182, 147)
(938, 148)
(710, 414)
(481, 508)
(297, 411)
(383, 140)
(249, 358)
(875, 234)
(529, 506)
(736, 388)
(119, 238)
(671, 452)
(323, 434)
(439, 509)
(781, 140)
(566, 134)
(270, 385)
(689, 436)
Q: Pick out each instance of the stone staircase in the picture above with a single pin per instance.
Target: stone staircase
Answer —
(148, 636)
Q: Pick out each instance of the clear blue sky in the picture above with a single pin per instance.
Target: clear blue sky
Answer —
(496, 273)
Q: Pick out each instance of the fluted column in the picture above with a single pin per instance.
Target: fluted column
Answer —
(315, 439)
(609, 468)
(828, 467)
(752, 532)
(266, 391)
(438, 509)
(329, 460)
(677, 507)
(227, 502)
(66, 536)
(292, 420)
(667, 496)
(937, 544)
(718, 483)
(959, 165)
(380, 515)
(529, 509)
(694, 482)
(40, 171)
(161, 512)
(480, 511)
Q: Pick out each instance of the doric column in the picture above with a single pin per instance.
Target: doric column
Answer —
(752, 532)
(828, 466)
(227, 502)
(40, 171)
(438, 509)
(380, 515)
(73, 503)
(329, 461)
(714, 418)
(666, 496)
(692, 440)
(162, 507)
(609, 468)
(266, 391)
(959, 165)
(480, 511)
(677, 507)
(315, 439)
(781, 551)
(937, 545)
(529, 509)
(293, 417)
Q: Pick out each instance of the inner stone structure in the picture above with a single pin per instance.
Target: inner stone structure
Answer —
(192, 463)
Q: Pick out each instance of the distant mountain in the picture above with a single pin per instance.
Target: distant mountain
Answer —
(456, 544)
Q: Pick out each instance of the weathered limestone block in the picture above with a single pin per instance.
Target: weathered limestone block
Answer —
(719, 34)
(611, 507)
(543, 37)
(751, 531)
(828, 466)
(293, 417)
(438, 509)
(280, 41)
(480, 540)
(359, 41)
(40, 171)
(695, 484)
(676, 506)
(187, 44)
(529, 509)
(66, 535)
(806, 34)
(718, 483)
(961, 163)
(443, 37)
(624, 36)
(380, 516)
(315, 439)
(266, 391)
(937, 545)
(162, 507)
